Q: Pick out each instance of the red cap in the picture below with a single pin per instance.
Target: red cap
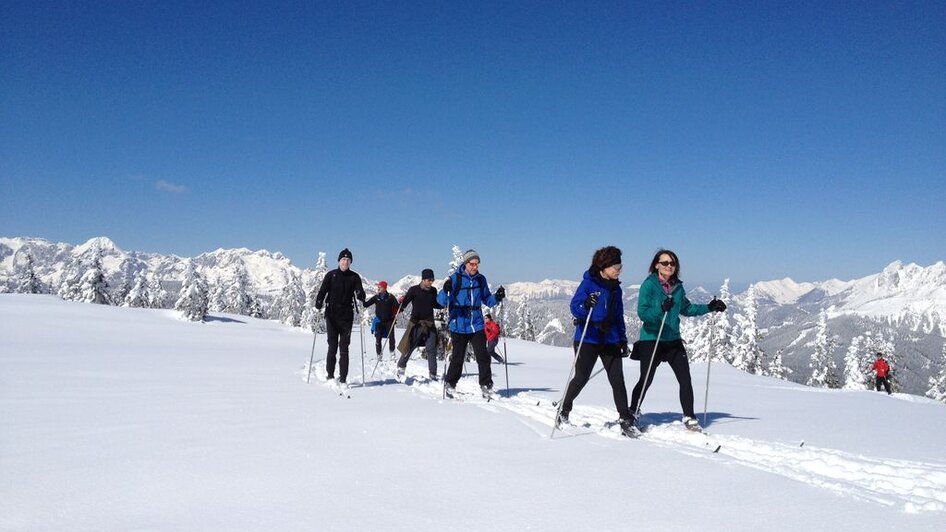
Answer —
(383, 284)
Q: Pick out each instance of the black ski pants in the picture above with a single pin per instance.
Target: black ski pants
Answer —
(878, 381)
(379, 335)
(478, 341)
(674, 354)
(430, 349)
(339, 337)
(611, 359)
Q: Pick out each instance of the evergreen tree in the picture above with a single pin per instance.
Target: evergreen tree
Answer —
(747, 350)
(138, 296)
(856, 373)
(525, 324)
(69, 285)
(457, 260)
(256, 308)
(290, 303)
(721, 336)
(823, 369)
(313, 318)
(192, 301)
(26, 281)
(937, 389)
(238, 296)
(93, 288)
(218, 297)
(776, 368)
(157, 295)
(128, 279)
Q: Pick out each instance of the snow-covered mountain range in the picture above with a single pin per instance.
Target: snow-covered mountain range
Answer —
(905, 302)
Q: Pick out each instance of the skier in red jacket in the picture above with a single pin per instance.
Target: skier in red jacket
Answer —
(883, 372)
(492, 337)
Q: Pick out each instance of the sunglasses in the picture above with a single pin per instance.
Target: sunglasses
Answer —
(667, 263)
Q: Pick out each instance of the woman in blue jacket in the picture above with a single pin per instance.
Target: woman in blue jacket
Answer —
(464, 294)
(663, 300)
(599, 302)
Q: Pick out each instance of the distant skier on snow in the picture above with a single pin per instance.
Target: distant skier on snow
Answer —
(338, 292)
(882, 369)
(492, 337)
(421, 329)
(385, 310)
(661, 302)
(464, 293)
(598, 301)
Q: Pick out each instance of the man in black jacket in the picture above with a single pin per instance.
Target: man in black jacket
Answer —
(420, 329)
(341, 286)
(385, 309)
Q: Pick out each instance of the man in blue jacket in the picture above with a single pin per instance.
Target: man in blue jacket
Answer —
(464, 293)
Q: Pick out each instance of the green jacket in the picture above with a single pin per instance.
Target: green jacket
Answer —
(648, 309)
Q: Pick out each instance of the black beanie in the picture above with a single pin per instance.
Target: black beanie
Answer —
(345, 253)
(427, 274)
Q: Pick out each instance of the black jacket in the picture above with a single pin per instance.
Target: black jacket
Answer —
(425, 301)
(340, 289)
(386, 306)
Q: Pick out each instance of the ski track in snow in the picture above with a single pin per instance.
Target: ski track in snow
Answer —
(914, 486)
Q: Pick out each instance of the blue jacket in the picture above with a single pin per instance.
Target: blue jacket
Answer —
(466, 314)
(648, 309)
(610, 305)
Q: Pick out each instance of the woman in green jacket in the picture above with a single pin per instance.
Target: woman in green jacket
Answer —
(663, 300)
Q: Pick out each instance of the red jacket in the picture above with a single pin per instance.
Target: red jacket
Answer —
(492, 331)
(881, 367)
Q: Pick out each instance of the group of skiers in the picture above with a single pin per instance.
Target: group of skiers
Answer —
(464, 294)
(600, 333)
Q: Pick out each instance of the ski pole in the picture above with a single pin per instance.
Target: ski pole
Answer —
(502, 331)
(558, 411)
(637, 413)
(361, 333)
(315, 335)
(709, 362)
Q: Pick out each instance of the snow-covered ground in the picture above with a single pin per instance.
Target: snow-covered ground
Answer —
(131, 419)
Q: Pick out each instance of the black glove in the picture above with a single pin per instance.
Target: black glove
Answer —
(667, 304)
(448, 285)
(318, 305)
(716, 305)
(500, 294)
(591, 300)
(624, 349)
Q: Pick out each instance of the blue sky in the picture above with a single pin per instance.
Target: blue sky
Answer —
(757, 139)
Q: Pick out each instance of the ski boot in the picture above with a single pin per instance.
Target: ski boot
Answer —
(561, 419)
(629, 428)
(692, 424)
(450, 391)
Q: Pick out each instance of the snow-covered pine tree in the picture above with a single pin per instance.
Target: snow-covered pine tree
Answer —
(26, 281)
(457, 260)
(217, 300)
(720, 330)
(747, 350)
(525, 324)
(93, 288)
(138, 296)
(238, 297)
(937, 390)
(256, 308)
(856, 373)
(128, 278)
(69, 284)
(290, 303)
(193, 302)
(694, 334)
(157, 295)
(312, 318)
(776, 368)
(823, 369)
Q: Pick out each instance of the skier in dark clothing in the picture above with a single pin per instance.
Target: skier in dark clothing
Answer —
(464, 293)
(338, 292)
(385, 310)
(882, 368)
(663, 300)
(421, 330)
(598, 301)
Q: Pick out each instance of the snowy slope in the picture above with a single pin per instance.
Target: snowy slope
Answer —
(119, 419)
